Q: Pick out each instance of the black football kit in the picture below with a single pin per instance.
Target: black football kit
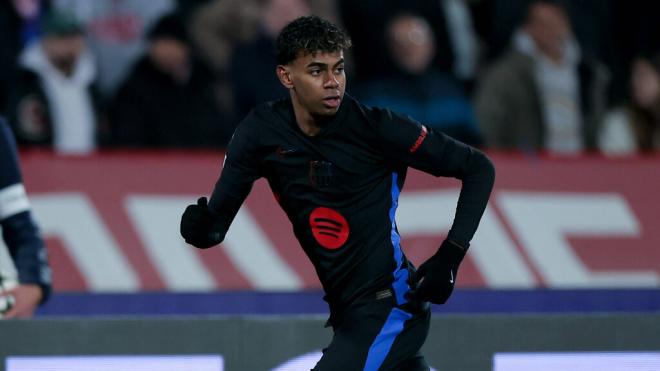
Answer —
(340, 190)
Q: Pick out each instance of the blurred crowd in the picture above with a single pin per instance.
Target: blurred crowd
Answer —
(561, 77)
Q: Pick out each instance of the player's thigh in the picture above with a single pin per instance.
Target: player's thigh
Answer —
(414, 363)
(377, 337)
(404, 353)
(354, 337)
(343, 353)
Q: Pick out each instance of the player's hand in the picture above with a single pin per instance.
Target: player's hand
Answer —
(26, 299)
(197, 225)
(435, 278)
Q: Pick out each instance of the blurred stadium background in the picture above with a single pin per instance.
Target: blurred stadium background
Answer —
(563, 273)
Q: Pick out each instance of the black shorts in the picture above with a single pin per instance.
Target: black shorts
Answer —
(375, 335)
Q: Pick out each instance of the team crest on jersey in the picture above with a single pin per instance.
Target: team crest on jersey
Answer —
(321, 173)
(329, 227)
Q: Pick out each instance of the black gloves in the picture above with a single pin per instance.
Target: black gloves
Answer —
(199, 227)
(436, 277)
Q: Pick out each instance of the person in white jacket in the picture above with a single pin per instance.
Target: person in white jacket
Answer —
(53, 103)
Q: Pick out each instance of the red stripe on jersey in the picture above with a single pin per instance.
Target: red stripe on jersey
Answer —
(420, 139)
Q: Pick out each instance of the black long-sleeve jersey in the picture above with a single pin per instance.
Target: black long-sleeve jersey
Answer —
(340, 188)
(19, 231)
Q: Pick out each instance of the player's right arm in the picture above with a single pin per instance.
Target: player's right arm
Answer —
(205, 223)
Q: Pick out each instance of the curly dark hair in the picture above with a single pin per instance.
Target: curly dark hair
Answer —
(308, 35)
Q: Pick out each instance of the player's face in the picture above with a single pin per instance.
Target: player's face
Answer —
(317, 82)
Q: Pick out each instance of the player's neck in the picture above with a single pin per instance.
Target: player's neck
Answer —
(307, 123)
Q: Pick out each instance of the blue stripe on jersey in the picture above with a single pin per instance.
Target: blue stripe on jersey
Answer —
(400, 284)
(383, 342)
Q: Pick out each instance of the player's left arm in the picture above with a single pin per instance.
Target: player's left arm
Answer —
(20, 234)
(413, 144)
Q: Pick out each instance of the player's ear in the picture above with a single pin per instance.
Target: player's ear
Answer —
(284, 75)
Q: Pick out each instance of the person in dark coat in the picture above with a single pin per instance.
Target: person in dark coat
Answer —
(168, 100)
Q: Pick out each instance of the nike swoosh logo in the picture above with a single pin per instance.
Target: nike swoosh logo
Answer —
(451, 280)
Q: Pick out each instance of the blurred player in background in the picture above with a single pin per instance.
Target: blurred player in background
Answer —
(337, 167)
(19, 298)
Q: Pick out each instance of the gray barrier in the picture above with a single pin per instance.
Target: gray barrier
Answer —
(456, 342)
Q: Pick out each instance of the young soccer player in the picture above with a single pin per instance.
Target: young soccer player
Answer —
(337, 167)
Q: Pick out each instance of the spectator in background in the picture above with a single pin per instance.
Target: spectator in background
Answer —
(543, 94)
(631, 30)
(52, 103)
(20, 20)
(116, 32)
(21, 238)
(169, 99)
(635, 127)
(451, 22)
(231, 35)
(252, 63)
(217, 26)
(419, 89)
